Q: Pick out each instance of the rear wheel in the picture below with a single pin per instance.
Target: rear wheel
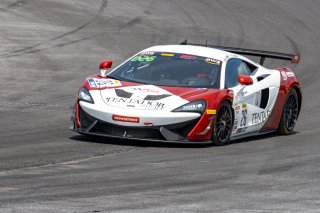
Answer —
(223, 125)
(289, 114)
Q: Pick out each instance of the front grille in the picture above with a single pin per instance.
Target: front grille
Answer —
(102, 127)
(85, 119)
(184, 130)
(124, 131)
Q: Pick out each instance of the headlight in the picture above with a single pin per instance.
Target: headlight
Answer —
(84, 95)
(195, 106)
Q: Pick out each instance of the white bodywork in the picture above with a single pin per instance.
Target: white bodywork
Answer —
(249, 117)
(156, 113)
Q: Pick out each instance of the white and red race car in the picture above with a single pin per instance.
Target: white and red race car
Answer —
(189, 93)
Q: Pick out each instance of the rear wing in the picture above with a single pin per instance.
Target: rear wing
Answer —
(294, 58)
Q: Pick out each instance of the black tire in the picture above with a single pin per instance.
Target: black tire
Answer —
(290, 114)
(222, 127)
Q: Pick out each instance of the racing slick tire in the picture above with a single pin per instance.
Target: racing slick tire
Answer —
(290, 113)
(222, 127)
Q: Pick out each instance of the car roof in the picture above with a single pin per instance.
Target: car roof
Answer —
(192, 50)
(197, 50)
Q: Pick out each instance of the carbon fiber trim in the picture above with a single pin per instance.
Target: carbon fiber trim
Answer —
(141, 139)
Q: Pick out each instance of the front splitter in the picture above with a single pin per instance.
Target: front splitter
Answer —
(87, 133)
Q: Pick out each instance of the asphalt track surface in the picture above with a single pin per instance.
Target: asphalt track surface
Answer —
(47, 48)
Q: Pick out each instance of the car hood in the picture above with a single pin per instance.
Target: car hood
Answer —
(148, 97)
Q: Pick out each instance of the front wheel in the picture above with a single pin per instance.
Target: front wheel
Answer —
(289, 114)
(223, 125)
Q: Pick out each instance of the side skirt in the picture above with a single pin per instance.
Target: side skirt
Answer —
(251, 134)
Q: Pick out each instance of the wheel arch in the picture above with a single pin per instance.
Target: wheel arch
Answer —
(214, 101)
(286, 85)
(299, 93)
(229, 101)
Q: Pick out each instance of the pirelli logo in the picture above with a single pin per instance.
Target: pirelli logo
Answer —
(125, 119)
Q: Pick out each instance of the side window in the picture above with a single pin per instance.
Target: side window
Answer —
(253, 69)
(244, 69)
(234, 68)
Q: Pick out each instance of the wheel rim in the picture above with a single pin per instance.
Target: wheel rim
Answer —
(291, 112)
(223, 123)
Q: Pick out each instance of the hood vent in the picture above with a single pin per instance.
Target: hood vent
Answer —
(156, 97)
(123, 94)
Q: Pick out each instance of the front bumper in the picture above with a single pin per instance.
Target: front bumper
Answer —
(173, 133)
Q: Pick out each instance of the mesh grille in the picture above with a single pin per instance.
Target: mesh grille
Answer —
(130, 132)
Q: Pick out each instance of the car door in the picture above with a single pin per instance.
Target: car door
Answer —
(250, 101)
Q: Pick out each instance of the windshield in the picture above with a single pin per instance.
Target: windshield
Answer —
(170, 69)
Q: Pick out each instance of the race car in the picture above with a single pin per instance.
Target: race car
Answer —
(189, 93)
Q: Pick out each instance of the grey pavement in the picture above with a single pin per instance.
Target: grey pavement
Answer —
(48, 47)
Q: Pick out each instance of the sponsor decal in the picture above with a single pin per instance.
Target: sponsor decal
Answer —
(147, 53)
(241, 130)
(260, 117)
(92, 83)
(243, 121)
(241, 118)
(243, 93)
(125, 119)
(167, 54)
(155, 105)
(235, 124)
(212, 61)
(144, 58)
(290, 74)
(188, 57)
(211, 111)
(107, 82)
(284, 75)
(146, 90)
(149, 91)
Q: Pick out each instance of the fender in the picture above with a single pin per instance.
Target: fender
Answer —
(203, 129)
(288, 81)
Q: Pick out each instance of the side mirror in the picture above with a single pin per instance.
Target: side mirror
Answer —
(245, 80)
(104, 66)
